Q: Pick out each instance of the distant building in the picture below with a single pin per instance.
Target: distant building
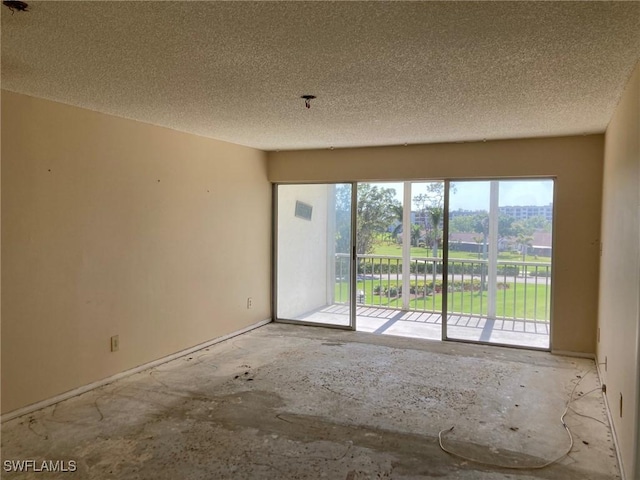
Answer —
(520, 212)
(464, 213)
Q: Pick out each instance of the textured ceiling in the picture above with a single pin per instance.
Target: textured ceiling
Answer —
(384, 72)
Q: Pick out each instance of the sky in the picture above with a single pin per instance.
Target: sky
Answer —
(474, 195)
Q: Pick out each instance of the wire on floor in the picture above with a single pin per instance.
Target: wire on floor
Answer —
(530, 467)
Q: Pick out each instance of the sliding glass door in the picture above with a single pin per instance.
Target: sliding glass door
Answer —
(314, 245)
(498, 281)
(453, 260)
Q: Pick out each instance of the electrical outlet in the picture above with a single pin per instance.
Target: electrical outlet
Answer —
(249, 302)
(115, 343)
(598, 334)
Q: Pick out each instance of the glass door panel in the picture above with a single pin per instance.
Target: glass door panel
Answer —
(499, 261)
(399, 258)
(313, 266)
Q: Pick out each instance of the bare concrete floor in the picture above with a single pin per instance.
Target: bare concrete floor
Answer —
(291, 402)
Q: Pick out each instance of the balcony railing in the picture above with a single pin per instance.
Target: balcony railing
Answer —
(522, 288)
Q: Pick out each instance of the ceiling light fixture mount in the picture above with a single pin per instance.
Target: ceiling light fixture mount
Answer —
(307, 100)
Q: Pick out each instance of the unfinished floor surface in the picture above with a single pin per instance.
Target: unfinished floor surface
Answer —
(291, 402)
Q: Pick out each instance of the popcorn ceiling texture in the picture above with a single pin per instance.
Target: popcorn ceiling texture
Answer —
(384, 72)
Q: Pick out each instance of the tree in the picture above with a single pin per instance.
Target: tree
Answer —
(480, 224)
(523, 231)
(415, 234)
(430, 208)
(343, 219)
(525, 241)
(398, 214)
(537, 223)
(505, 226)
(461, 224)
(377, 209)
(479, 241)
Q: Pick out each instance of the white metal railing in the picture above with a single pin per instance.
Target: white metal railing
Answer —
(522, 288)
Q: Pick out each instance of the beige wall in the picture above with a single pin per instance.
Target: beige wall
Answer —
(575, 162)
(109, 227)
(619, 315)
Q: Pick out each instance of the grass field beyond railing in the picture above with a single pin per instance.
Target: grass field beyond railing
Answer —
(392, 250)
(523, 289)
(508, 305)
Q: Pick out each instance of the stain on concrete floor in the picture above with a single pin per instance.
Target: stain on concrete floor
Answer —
(290, 402)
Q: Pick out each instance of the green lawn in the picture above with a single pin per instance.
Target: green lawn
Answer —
(384, 248)
(513, 299)
(469, 302)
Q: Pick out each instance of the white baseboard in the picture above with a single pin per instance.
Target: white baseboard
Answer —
(85, 388)
(613, 429)
(590, 356)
